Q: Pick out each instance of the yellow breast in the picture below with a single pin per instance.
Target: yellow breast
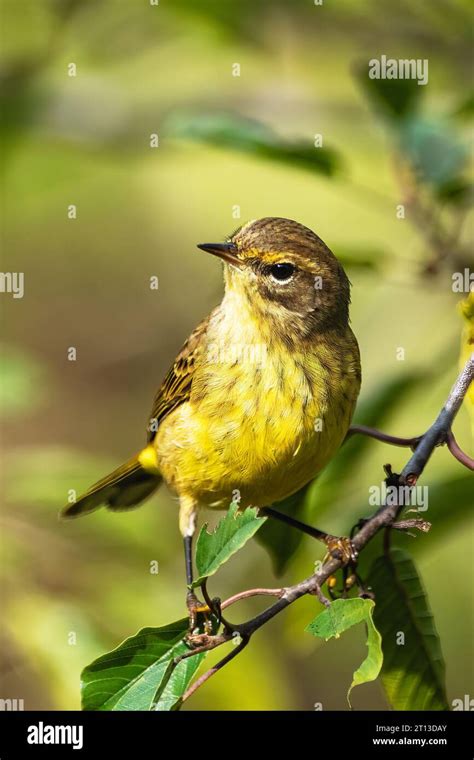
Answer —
(262, 420)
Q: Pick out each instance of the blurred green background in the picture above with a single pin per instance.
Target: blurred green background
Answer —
(71, 591)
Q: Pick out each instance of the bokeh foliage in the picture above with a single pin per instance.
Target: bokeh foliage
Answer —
(71, 592)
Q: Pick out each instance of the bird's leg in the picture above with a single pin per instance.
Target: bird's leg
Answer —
(339, 547)
(187, 526)
(194, 605)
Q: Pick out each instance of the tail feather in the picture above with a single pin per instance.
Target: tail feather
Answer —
(125, 488)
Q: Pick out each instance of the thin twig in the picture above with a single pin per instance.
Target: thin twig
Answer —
(379, 436)
(202, 642)
(458, 453)
(252, 592)
(417, 523)
(207, 675)
(441, 427)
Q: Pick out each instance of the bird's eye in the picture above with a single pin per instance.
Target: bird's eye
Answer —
(282, 272)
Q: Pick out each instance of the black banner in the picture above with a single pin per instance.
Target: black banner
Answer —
(84, 734)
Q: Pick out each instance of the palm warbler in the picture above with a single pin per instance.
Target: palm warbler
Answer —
(262, 393)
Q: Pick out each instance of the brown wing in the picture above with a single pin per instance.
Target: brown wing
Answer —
(176, 387)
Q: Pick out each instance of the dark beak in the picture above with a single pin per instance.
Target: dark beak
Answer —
(226, 251)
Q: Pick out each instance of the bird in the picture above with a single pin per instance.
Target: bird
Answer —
(262, 393)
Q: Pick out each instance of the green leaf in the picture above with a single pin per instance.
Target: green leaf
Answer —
(413, 672)
(170, 696)
(457, 191)
(138, 674)
(230, 535)
(280, 540)
(360, 257)
(249, 136)
(436, 154)
(343, 614)
(394, 98)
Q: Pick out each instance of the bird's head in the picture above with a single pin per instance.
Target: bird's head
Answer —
(285, 271)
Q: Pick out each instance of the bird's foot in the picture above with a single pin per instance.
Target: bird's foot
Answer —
(199, 614)
(342, 549)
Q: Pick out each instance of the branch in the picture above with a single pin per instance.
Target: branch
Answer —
(384, 437)
(205, 676)
(384, 518)
(252, 592)
(439, 432)
(458, 453)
